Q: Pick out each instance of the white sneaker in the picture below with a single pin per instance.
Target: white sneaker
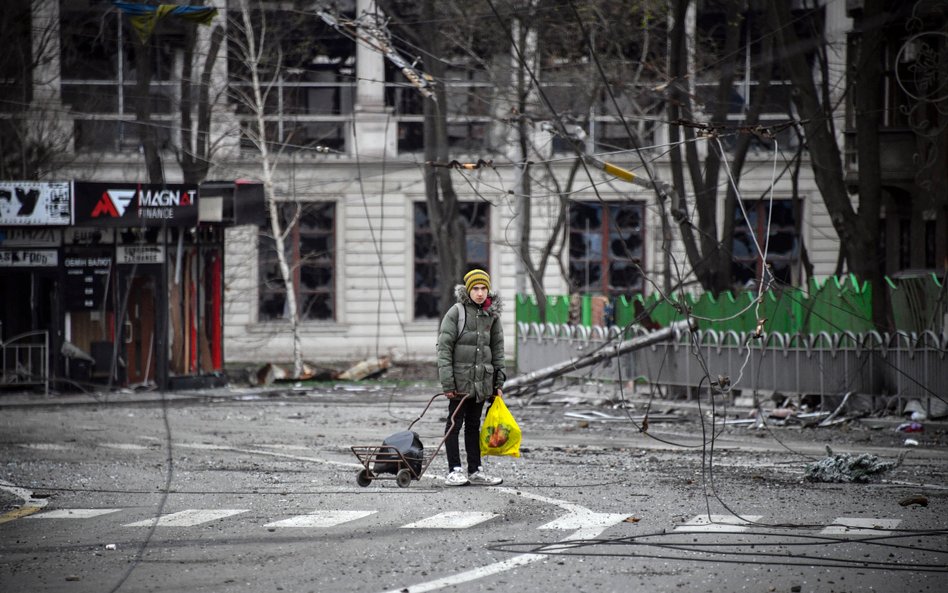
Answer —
(479, 478)
(456, 478)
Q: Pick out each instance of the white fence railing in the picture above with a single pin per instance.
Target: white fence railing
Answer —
(24, 360)
(906, 365)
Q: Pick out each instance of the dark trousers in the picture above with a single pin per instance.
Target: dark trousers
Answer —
(469, 416)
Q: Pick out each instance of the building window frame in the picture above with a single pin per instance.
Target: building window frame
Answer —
(477, 220)
(313, 268)
(606, 257)
(784, 249)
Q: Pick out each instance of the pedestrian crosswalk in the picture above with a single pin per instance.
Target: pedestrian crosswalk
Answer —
(188, 518)
(324, 519)
(848, 526)
(718, 524)
(321, 519)
(451, 520)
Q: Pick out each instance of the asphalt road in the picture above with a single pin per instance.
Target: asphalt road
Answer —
(251, 492)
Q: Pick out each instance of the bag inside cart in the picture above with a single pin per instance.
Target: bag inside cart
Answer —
(406, 442)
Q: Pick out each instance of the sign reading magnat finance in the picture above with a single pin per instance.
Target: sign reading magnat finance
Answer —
(135, 204)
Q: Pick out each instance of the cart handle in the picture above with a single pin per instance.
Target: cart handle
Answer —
(430, 401)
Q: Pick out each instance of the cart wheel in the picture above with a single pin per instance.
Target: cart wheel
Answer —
(364, 478)
(403, 478)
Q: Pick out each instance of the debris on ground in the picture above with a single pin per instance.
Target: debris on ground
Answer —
(272, 373)
(918, 499)
(597, 416)
(910, 427)
(269, 373)
(843, 467)
(367, 369)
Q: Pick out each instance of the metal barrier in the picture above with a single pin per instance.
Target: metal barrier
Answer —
(906, 365)
(24, 360)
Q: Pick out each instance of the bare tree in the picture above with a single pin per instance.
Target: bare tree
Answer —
(34, 140)
(858, 230)
(197, 148)
(440, 196)
(249, 41)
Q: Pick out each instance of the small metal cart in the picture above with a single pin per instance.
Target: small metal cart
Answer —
(405, 468)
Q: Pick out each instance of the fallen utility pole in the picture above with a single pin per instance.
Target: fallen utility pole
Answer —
(606, 353)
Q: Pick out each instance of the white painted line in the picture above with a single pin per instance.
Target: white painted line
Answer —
(580, 519)
(321, 519)
(209, 447)
(73, 513)
(451, 520)
(126, 446)
(45, 446)
(717, 524)
(496, 567)
(860, 526)
(287, 447)
(188, 518)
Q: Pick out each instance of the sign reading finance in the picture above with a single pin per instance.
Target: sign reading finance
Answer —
(135, 204)
(34, 203)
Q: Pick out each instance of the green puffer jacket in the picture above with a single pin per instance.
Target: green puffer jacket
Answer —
(474, 361)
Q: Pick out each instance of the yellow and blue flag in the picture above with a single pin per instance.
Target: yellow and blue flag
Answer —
(144, 17)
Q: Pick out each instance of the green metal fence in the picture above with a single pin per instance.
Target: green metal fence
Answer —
(834, 305)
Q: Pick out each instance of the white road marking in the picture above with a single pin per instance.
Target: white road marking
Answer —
(451, 520)
(718, 524)
(45, 446)
(287, 447)
(126, 446)
(210, 447)
(585, 518)
(321, 519)
(188, 518)
(496, 567)
(860, 526)
(478, 573)
(73, 513)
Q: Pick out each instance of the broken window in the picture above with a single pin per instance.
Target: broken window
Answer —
(468, 94)
(476, 217)
(308, 73)
(710, 52)
(606, 242)
(310, 254)
(98, 56)
(782, 250)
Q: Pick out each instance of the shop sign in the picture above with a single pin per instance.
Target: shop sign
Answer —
(87, 279)
(34, 203)
(135, 205)
(26, 237)
(140, 254)
(29, 258)
(89, 236)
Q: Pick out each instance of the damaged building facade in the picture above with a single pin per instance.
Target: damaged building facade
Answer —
(111, 283)
(347, 129)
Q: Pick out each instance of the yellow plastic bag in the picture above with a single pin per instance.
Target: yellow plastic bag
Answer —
(500, 434)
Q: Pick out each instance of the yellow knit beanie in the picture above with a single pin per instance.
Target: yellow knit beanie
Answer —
(476, 277)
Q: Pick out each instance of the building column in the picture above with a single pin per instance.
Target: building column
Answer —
(373, 123)
(51, 126)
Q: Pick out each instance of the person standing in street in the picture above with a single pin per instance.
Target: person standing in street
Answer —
(470, 362)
